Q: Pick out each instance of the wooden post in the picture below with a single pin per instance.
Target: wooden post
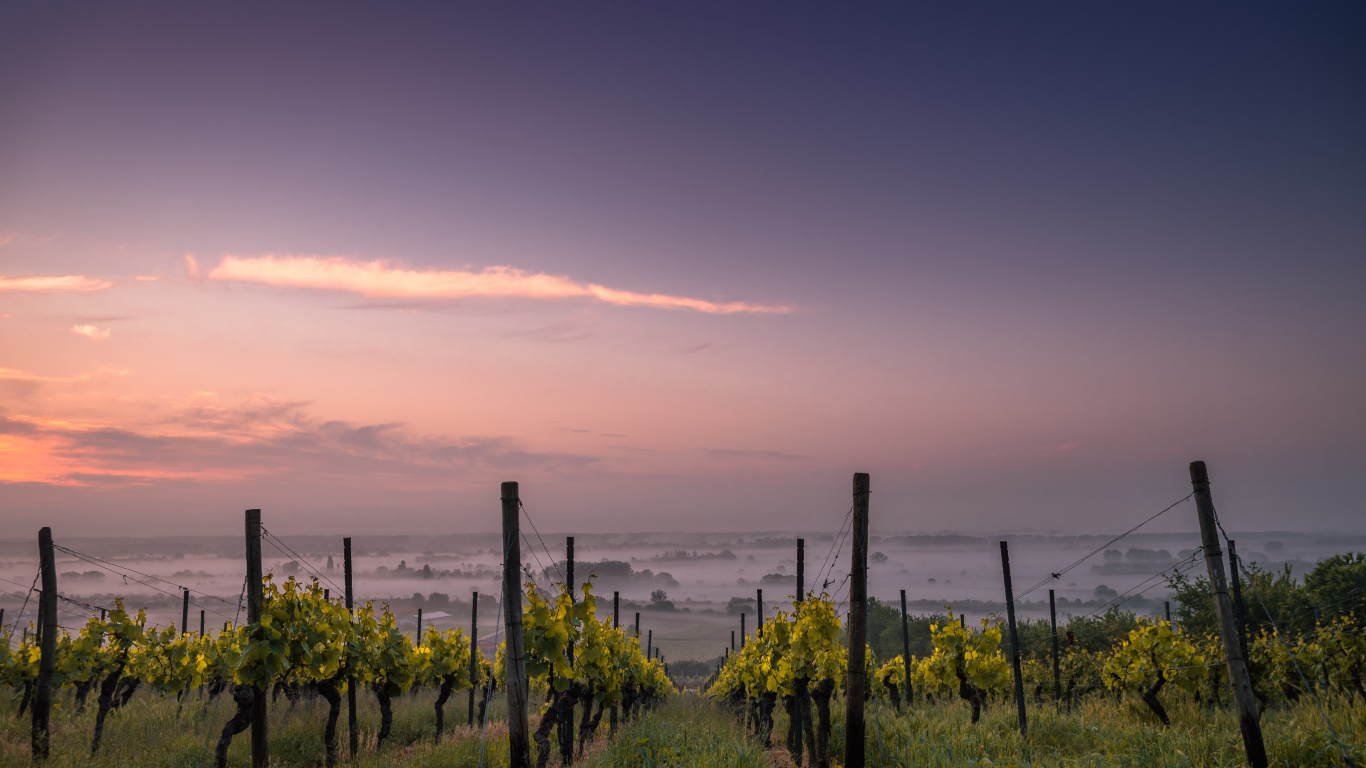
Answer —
(649, 643)
(858, 627)
(759, 603)
(616, 624)
(474, 649)
(327, 593)
(732, 642)
(962, 620)
(519, 749)
(566, 724)
(260, 749)
(419, 628)
(47, 647)
(801, 569)
(1236, 582)
(569, 565)
(637, 625)
(905, 649)
(1014, 641)
(1167, 610)
(201, 622)
(185, 611)
(352, 727)
(1245, 703)
(1057, 673)
(742, 631)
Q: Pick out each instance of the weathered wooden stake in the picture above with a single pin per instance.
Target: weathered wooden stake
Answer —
(352, 727)
(858, 628)
(801, 569)
(1167, 610)
(260, 749)
(905, 650)
(47, 647)
(1236, 582)
(566, 724)
(616, 624)
(732, 641)
(1245, 703)
(519, 749)
(637, 625)
(474, 649)
(1014, 641)
(419, 628)
(201, 622)
(742, 631)
(1057, 673)
(185, 611)
(649, 642)
(759, 621)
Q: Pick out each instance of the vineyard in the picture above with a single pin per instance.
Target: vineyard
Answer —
(808, 685)
(308, 646)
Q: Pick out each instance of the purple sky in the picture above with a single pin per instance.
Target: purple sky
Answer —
(680, 268)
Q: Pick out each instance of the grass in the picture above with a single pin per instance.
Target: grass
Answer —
(149, 732)
(685, 731)
(688, 730)
(1100, 732)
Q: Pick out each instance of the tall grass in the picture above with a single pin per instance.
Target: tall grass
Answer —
(688, 730)
(685, 731)
(1099, 732)
(155, 732)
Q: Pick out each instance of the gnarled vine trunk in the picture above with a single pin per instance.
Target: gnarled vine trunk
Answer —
(895, 692)
(1150, 698)
(804, 708)
(824, 689)
(549, 720)
(328, 689)
(245, 696)
(970, 693)
(447, 684)
(793, 739)
(385, 692)
(587, 700)
(106, 703)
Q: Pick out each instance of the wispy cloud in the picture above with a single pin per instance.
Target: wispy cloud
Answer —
(731, 454)
(90, 331)
(12, 374)
(254, 439)
(54, 284)
(378, 279)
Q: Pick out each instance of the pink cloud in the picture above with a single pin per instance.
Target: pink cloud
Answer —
(54, 284)
(376, 279)
(90, 331)
(252, 440)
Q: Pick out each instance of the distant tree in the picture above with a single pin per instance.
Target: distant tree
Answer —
(659, 601)
(740, 605)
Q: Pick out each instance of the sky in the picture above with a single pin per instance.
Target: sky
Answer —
(680, 267)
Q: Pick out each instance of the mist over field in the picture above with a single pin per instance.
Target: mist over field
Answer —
(707, 579)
